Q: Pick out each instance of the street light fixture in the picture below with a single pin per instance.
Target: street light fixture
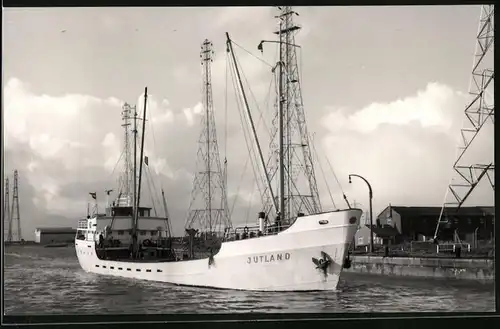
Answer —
(371, 209)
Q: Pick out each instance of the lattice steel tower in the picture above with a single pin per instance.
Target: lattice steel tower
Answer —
(208, 207)
(127, 177)
(298, 179)
(16, 218)
(478, 113)
(7, 221)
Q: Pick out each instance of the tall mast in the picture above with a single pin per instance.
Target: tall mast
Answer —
(281, 129)
(15, 206)
(134, 231)
(208, 185)
(141, 159)
(6, 211)
(252, 124)
(206, 59)
(290, 138)
(127, 174)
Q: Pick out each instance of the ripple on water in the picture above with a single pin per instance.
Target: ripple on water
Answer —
(49, 280)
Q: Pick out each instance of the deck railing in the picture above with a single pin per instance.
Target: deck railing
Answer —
(249, 232)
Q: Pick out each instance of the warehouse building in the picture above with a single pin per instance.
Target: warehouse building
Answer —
(419, 223)
(398, 224)
(48, 235)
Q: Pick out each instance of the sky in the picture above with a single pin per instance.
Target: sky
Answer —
(384, 92)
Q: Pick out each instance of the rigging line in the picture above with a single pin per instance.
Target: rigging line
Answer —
(148, 179)
(333, 172)
(260, 59)
(238, 101)
(154, 193)
(253, 97)
(117, 162)
(257, 173)
(338, 182)
(151, 126)
(250, 150)
(250, 202)
(145, 172)
(246, 129)
(321, 168)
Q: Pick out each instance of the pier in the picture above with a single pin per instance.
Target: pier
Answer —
(477, 269)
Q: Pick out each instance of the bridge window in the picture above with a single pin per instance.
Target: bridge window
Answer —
(97, 266)
(112, 267)
(120, 268)
(148, 270)
(137, 269)
(129, 269)
(121, 232)
(154, 233)
(159, 270)
(142, 232)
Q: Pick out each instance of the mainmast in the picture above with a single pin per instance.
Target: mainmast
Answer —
(290, 138)
(209, 184)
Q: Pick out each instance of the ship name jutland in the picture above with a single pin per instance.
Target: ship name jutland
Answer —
(268, 258)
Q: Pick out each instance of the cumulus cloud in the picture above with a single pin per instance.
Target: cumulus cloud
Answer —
(405, 148)
(65, 146)
(428, 107)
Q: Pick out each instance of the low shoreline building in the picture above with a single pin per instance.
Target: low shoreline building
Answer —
(47, 235)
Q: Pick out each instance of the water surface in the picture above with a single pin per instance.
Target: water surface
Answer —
(50, 281)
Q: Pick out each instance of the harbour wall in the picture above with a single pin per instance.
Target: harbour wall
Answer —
(451, 268)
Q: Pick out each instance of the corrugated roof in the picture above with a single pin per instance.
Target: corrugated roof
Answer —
(408, 211)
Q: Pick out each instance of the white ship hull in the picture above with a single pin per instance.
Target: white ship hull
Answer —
(281, 262)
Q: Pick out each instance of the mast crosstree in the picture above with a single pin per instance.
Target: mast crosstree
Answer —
(208, 207)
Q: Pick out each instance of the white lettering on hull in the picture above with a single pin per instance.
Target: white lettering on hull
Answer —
(268, 258)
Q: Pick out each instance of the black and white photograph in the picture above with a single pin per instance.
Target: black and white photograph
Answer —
(261, 159)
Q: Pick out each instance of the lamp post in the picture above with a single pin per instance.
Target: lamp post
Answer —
(371, 209)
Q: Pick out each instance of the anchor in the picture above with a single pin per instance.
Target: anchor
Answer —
(323, 262)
